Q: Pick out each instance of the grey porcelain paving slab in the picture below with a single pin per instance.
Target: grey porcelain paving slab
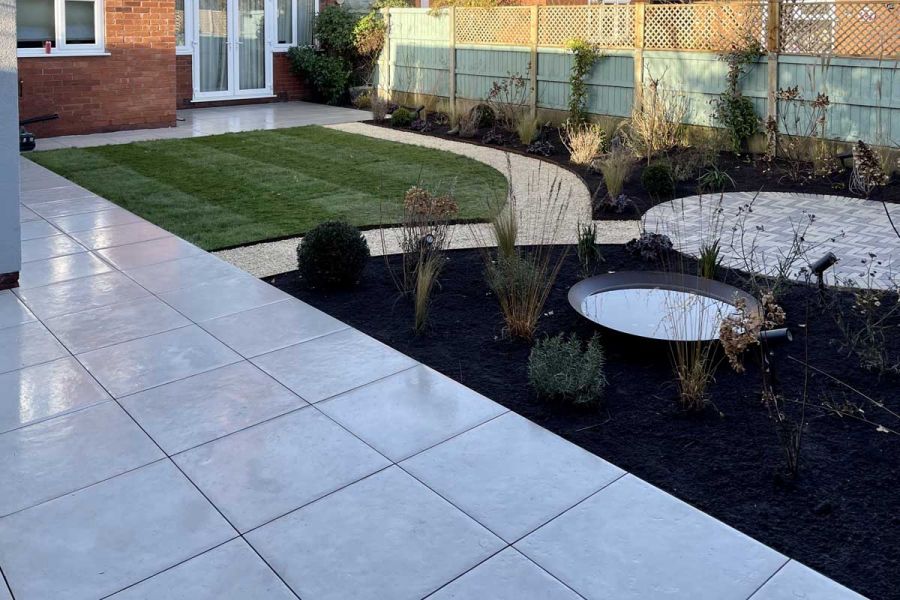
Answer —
(66, 191)
(26, 215)
(387, 536)
(12, 311)
(26, 345)
(196, 410)
(114, 323)
(162, 358)
(61, 208)
(62, 268)
(272, 327)
(506, 576)
(80, 294)
(49, 247)
(233, 571)
(184, 272)
(119, 235)
(152, 252)
(103, 538)
(798, 582)
(332, 364)
(36, 393)
(95, 220)
(58, 456)
(631, 541)
(220, 297)
(410, 411)
(37, 229)
(264, 472)
(511, 475)
(39, 179)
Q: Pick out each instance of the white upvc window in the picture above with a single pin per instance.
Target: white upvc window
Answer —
(184, 26)
(72, 27)
(294, 23)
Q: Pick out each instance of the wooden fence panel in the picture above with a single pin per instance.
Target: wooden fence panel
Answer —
(864, 91)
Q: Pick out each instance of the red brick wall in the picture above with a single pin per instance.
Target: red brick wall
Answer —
(132, 88)
(286, 84)
(184, 82)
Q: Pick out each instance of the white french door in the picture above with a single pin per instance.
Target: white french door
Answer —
(232, 55)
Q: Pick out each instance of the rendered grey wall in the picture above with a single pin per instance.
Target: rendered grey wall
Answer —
(10, 235)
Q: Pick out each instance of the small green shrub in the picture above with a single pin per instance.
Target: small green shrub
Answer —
(328, 75)
(731, 108)
(657, 181)
(402, 117)
(564, 370)
(737, 114)
(710, 259)
(589, 255)
(332, 255)
(714, 180)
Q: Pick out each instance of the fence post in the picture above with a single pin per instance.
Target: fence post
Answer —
(452, 91)
(639, 20)
(773, 43)
(534, 60)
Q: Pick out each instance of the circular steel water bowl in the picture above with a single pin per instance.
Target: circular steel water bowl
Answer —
(656, 305)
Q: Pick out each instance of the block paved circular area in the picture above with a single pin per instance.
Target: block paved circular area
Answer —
(760, 232)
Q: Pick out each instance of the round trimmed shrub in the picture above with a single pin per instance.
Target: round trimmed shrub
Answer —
(332, 255)
(402, 117)
(658, 181)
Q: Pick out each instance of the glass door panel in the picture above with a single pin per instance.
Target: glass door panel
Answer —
(251, 44)
(214, 46)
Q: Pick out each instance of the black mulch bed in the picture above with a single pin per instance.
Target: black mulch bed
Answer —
(841, 516)
(750, 173)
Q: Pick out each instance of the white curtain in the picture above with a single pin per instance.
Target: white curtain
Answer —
(252, 46)
(306, 15)
(213, 46)
(285, 22)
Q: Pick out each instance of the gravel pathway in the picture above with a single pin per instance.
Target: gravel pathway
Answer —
(541, 190)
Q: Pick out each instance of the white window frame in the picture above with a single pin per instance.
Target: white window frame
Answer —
(98, 48)
(188, 47)
(276, 47)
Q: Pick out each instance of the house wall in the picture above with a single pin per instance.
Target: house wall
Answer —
(285, 84)
(10, 239)
(131, 88)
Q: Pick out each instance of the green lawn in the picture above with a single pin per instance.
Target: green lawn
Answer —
(241, 188)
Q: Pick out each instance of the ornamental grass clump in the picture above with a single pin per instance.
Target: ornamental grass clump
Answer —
(656, 124)
(615, 167)
(589, 255)
(332, 255)
(584, 141)
(522, 277)
(568, 371)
